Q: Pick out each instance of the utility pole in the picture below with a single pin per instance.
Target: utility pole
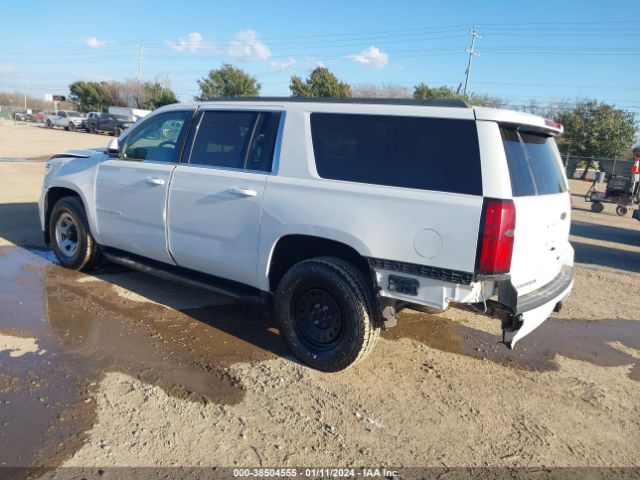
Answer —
(471, 53)
(139, 63)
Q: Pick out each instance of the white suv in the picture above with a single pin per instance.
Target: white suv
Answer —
(338, 213)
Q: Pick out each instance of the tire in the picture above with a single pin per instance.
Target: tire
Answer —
(71, 127)
(92, 129)
(621, 210)
(597, 207)
(327, 313)
(117, 131)
(49, 124)
(68, 225)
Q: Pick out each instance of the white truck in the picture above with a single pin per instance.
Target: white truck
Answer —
(67, 119)
(132, 114)
(336, 213)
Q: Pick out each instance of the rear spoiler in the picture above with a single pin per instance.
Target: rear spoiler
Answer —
(513, 117)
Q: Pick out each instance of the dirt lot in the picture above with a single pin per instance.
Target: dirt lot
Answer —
(34, 141)
(121, 369)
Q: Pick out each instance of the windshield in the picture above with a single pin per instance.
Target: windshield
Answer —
(534, 163)
(74, 114)
(122, 118)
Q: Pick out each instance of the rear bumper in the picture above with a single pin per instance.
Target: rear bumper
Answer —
(508, 296)
(532, 309)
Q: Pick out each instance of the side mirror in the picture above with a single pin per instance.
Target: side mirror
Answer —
(113, 147)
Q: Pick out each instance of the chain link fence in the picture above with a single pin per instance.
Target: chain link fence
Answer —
(575, 166)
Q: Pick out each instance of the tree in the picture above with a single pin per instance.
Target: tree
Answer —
(424, 92)
(596, 129)
(320, 83)
(228, 81)
(367, 90)
(87, 95)
(155, 95)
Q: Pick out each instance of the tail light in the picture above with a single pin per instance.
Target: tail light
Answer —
(496, 236)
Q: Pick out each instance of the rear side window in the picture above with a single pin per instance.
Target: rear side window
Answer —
(410, 152)
(533, 163)
(242, 140)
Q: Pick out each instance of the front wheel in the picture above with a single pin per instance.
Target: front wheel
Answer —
(71, 239)
(117, 131)
(49, 124)
(326, 312)
(71, 127)
(597, 207)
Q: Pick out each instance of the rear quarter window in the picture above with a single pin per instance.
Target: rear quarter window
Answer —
(533, 161)
(410, 152)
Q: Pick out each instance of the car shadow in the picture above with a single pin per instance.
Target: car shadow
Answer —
(606, 256)
(607, 233)
(20, 224)
(598, 342)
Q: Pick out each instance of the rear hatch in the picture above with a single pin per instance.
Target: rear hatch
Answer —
(542, 204)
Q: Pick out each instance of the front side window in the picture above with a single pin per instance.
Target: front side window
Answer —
(241, 140)
(157, 139)
(410, 152)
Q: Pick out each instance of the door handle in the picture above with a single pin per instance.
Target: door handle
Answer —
(155, 181)
(244, 192)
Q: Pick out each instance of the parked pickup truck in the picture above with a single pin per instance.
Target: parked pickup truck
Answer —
(109, 123)
(67, 119)
(336, 213)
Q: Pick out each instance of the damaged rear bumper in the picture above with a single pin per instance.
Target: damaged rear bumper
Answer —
(531, 310)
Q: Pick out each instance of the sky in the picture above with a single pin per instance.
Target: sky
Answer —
(543, 50)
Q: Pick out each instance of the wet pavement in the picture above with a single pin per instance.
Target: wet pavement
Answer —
(83, 329)
(84, 326)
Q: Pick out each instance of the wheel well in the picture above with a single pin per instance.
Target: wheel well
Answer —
(53, 195)
(292, 249)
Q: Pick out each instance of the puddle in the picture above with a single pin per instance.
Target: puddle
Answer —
(587, 340)
(85, 328)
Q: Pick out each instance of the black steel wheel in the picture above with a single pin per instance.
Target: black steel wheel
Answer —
(597, 207)
(326, 312)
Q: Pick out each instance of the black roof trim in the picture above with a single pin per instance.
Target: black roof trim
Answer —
(435, 102)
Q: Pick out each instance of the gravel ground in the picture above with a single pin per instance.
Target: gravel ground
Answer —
(133, 371)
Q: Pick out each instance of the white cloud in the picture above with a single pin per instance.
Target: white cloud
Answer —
(283, 64)
(371, 57)
(246, 46)
(94, 42)
(194, 43)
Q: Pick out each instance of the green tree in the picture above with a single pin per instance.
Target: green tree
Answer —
(425, 92)
(155, 95)
(87, 95)
(596, 129)
(228, 81)
(320, 83)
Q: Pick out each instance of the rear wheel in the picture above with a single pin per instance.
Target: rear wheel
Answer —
(49, 124)
(326, 313)
(597, 207)
(117, 131)
(621, 210)
(71, 239)
(72, 127)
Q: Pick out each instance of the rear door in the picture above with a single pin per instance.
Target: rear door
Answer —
(215, 201)
(543, 207)
(131, 191)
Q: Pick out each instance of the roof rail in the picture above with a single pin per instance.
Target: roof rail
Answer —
(434, 102)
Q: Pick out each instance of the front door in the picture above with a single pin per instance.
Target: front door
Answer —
(215, 200)
(131, 191)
